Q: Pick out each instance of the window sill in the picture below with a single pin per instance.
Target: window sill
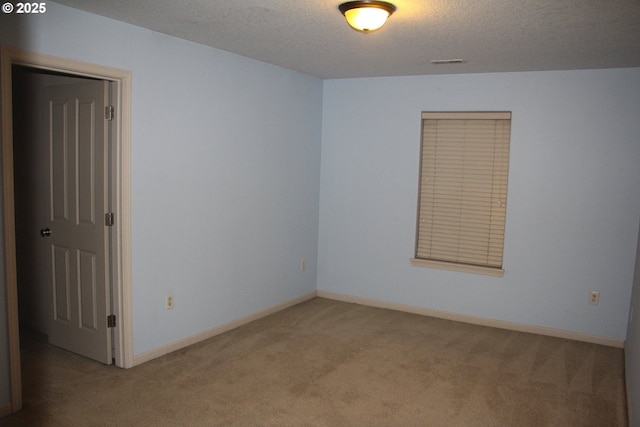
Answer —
(476, 269)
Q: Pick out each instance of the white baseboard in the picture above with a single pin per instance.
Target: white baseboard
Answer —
(6, 410)
(209, 333)
(521, 327)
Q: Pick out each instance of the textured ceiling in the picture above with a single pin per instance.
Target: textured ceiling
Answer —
(312, 37)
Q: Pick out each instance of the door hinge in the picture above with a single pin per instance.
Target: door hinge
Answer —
(109, 219)
(109, 111)
(111, 321)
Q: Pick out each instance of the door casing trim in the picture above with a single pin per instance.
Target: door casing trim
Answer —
(121, 199)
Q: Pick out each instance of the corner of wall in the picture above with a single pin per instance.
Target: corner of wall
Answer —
(632, 346)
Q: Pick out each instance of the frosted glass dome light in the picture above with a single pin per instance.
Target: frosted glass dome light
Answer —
(366, 15)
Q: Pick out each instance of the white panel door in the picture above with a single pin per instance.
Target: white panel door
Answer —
(73, 233)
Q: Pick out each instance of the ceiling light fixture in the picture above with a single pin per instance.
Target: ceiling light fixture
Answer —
(366, 15)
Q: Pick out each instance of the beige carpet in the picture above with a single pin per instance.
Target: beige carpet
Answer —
(328, 363)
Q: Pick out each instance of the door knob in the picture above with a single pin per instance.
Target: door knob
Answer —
(45, 232)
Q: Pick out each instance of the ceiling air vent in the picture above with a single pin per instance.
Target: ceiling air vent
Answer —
(446, 61)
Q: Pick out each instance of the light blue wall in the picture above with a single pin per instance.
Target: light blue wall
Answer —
(225, 171)
(573, 201)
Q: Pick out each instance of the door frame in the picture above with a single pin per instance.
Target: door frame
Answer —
(120, 252)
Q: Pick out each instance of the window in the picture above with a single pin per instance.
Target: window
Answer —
(462, 197)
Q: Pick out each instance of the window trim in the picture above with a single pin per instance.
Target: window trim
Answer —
(452, 266)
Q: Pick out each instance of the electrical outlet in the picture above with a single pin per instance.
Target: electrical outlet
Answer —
(594, 297)
(169, 302)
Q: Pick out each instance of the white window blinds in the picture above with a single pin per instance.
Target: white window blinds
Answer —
(463, 188)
